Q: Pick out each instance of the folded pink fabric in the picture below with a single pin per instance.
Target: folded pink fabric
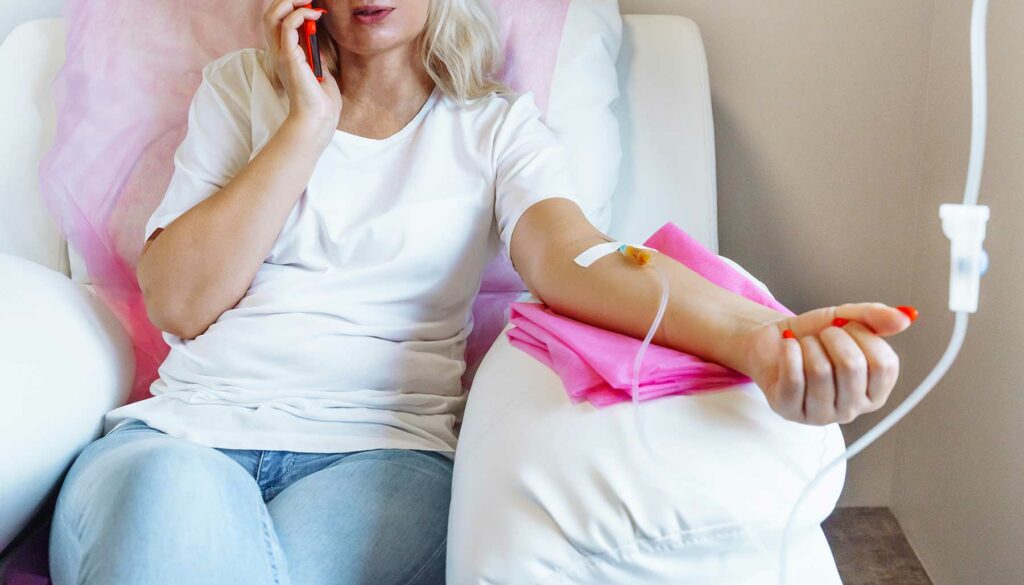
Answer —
(597, 365)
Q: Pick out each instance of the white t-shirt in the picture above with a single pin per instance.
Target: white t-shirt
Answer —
(352, 334)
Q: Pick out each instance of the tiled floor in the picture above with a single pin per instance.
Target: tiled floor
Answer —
(870, 549)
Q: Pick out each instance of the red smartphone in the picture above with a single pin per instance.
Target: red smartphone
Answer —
(308, 42)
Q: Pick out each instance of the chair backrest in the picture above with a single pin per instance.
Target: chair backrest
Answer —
(29, 60)
(668, 138)
(668, 166)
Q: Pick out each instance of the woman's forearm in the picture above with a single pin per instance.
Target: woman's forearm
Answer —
(835, 366)
(204, 261)
(617, 294)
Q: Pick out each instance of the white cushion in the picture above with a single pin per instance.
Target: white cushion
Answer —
(550, 492)
(584, 92)
(29, 60)
(64, 362)
(668, 138)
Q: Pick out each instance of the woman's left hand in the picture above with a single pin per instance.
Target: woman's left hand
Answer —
(835, 368)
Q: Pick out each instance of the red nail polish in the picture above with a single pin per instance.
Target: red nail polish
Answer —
(909, 312)
(839, 321)
(788, 334)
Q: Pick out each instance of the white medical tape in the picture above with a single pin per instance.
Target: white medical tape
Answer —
(598, 251)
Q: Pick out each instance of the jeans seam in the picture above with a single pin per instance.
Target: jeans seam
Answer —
(268, 542)
(58, 516)
(442, 547)
(259, 469)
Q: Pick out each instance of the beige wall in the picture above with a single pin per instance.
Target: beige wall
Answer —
(819, 129)
(957, 489)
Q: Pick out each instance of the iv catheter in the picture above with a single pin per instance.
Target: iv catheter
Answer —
(642, 256)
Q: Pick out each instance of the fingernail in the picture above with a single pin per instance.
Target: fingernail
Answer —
(788, 334)
(909, 312)
(839, 321)
(323, 10)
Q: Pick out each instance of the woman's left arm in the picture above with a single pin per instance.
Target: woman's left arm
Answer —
(826, 374)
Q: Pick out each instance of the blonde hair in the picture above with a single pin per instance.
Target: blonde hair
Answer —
(459, 47)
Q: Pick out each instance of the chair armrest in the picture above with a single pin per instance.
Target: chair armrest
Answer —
(64, 362)
(546, 491)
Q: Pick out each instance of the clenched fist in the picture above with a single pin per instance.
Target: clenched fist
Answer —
(833, 366)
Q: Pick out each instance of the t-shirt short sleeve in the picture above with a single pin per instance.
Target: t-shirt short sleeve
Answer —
(530, 165)
(217, 144)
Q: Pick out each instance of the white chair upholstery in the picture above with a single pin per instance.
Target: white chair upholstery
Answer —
(29, 60)
(64, 358)
(545, 492)
(64, 362)
(668, 138)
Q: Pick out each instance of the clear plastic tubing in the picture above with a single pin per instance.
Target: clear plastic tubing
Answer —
(959, 331)
(979, 108)
(665, 464)
(662, 305)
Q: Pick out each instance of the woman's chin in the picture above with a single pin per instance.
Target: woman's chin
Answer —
(371, 44)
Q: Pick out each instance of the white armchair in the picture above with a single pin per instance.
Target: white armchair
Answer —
(544, 491)
(64, 358)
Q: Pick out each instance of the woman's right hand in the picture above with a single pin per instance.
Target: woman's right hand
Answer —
(311, 102)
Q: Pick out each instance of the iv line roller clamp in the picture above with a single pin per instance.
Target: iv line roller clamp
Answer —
(964, 224)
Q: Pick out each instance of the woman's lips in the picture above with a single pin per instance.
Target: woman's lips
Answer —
(371, 14)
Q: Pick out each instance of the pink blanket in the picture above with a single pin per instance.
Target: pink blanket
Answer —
(597, 365)
(122, 101)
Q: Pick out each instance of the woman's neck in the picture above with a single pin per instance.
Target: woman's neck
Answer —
(382, 93)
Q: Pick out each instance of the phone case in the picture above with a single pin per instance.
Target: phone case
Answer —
(307, 39)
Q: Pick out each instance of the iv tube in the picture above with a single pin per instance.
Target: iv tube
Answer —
(979, 117)
(667, 464)
(639, 359)
(959, 331)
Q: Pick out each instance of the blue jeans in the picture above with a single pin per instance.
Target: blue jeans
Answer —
(140, 507)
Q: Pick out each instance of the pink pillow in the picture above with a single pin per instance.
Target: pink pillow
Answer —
(122, 100)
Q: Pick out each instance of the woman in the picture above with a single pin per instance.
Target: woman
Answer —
(313, 264)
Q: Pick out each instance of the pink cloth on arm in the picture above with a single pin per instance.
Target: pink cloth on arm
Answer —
(597, 365)
(122, 100)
